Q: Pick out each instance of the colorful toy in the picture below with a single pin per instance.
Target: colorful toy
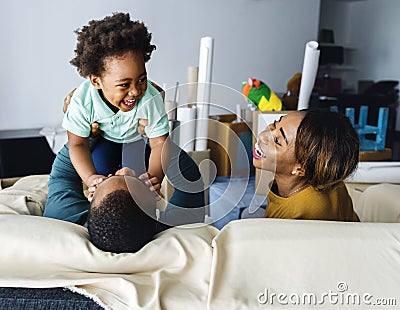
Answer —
(261, 96)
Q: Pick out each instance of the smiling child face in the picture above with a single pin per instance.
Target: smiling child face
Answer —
(124, 80)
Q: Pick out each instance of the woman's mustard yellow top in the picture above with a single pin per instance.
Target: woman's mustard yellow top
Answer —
(310, 204)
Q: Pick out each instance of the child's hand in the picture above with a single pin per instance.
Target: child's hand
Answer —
(93, 181)
(153, 183)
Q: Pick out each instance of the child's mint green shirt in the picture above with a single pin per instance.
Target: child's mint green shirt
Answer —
(87, 107)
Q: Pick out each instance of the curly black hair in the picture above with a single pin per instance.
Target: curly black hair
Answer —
(112, 36)
(116, 224)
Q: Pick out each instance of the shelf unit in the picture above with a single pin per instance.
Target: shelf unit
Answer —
(346, 71)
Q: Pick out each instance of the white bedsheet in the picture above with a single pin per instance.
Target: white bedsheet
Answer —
(297, 259)
(171, 272)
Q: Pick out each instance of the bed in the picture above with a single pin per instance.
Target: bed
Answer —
(47, 262)
(51, 264)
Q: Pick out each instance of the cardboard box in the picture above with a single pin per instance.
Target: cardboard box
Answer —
(231, 146)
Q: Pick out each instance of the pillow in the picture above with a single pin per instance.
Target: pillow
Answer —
(172, 270)
(37, 252)
(26, 196)
(380, 203)
(256, 259)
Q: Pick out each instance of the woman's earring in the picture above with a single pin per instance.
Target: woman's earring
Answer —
(294, 172)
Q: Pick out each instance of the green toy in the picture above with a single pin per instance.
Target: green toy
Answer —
(261, 96)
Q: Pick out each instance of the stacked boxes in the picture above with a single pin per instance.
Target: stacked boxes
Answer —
(230, 144)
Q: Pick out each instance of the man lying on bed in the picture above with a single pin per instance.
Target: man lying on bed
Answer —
(122, 215)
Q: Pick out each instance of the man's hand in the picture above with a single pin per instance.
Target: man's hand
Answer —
(94, 129)
(94, 126)
(161, 91)
(142, 124)
(67, 100)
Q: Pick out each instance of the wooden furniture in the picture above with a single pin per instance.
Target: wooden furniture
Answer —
(384, 155)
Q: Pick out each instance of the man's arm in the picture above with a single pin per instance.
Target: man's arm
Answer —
(162, 91)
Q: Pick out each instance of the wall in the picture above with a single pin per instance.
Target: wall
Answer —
(375, 29)
(371, 28)
(260, 38)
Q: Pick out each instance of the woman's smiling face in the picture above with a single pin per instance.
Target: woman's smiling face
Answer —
(274, 149)
(124, 81)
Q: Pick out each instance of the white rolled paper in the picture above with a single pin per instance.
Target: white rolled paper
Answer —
(201, 127)
(238, 113)
(309, 73)
(169, 108)
(192, 79)
(187, 128)
(204, 92)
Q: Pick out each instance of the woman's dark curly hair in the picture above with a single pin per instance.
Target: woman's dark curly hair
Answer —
(112, 36)
(327, 146)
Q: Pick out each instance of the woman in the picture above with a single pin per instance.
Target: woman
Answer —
(311, 154)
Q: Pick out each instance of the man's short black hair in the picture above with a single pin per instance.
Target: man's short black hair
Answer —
(117, 224)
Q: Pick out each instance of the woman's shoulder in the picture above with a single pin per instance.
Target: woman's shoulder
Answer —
(336, 203)
(329, 196)
(341, 190)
